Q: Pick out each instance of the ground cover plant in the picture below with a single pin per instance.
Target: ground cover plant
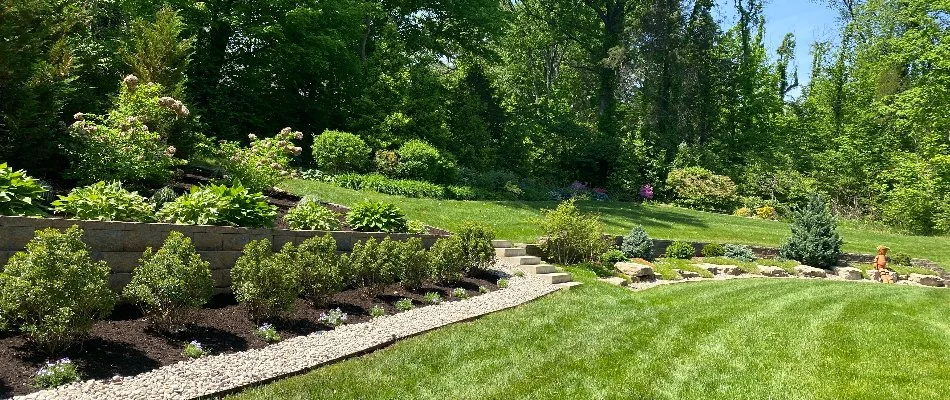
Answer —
(740, 335)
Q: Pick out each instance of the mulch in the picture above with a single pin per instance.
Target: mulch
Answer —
(126, 344)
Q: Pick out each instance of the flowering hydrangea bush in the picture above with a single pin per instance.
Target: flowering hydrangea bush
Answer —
(267, 333)
(333, 318)
(264, 163)
(130, 143)
(55, 374)
(194, 350)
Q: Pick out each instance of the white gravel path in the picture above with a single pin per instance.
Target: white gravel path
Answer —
(227, 372)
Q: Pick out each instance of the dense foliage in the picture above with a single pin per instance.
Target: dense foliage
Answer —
(53, 292)
(814, 240)
(319, 268)
(713, 250)
(375, 216)
(335, 151)
(309, 214)
(19, 193)
(571, 235)
(220, 205)
(105, 202)
(637, 244)
(739, 252)
(265, 282)
(263, 164)
(680, 250)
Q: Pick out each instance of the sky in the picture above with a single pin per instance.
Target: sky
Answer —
(809, 20)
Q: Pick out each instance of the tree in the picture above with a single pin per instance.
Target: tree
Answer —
(814, 239)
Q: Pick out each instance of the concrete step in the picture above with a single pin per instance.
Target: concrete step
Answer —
(524, 260)
(567, 285)
(510, 252)
(555, 278)
(499, 244)
(538, 269)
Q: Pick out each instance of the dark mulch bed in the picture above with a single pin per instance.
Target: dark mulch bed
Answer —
(126, 344)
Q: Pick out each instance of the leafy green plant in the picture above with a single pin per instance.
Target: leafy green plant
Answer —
(53, 291)
(267, 333)
(333, 318)
(171, 283)
(432, 298)
(713, 250)
(637, 244)
(482, 290)
(613, 256)
(374, 216)
(414, 263)
(311, 215)
(220, 205)
(460, 293)
(699, 188)
(338, 152)
(417, 227)
(194, 349)
(54, 374)
(766, 212)
(161, 196)
(105, 202)
(572, 236)
(447, 260)
(267, 283)
(680, 250)
(320, 274)
(386, 162)
(477, 250)
(815, 240)
(377, 311)
(405, 305)
(373, 264)
(900, 259)
(420, 160)
(502, 283)
(744, 212)
(19, 193)
(739, 252)
(397, 187)
(261, 165)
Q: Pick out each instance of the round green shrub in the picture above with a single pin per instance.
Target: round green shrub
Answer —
(338, 152)
(447, 260)
(421, 160)
(386, 162)
(699, 188)
(105, 202)
(319, 264)
(171, 283)
(311, 215)
(572, 236)
(477, 250)
(739, 252)
(53, 291)
(637, 244)
(265, 282)
(900, 259)
(612, 257)
(681, 250)
(374, 216)
(415, 264)
(713, 250)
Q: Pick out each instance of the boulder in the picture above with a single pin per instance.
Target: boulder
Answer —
(712, 268)
(810, 272)
(635, 269)
(616, 281)
(688, 274)
(876, 276)
(849, 274)
(926, 280)
(773, 272)
(730, 270)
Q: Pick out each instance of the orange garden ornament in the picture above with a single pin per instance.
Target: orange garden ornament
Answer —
(880, 264)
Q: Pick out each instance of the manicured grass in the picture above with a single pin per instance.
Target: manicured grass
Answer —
(741, 339)
(514, 220)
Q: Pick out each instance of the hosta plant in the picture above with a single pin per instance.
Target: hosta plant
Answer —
(374, 216)
(105, 202)
(19, 193)
(220, 205)
(311, 215)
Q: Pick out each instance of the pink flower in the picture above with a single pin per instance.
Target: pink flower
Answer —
(170, 151)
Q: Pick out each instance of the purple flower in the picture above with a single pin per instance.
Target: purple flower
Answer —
(646, 192)
(578, 186)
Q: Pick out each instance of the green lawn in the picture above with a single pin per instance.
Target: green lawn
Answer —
(513, 220)
(741, 339)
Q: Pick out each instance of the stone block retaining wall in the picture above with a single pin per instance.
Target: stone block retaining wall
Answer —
(121, 244)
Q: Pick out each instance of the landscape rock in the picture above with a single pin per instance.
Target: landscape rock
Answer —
(926, 280)
(874, 275)
(712, 268)
(688, 274)
(772, 272)
(849, 274)
(730, 270)
(810, 272)
(616, 281)
(635, 269)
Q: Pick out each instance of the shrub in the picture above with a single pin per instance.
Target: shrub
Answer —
(405, 305)
(263, 164)
(333, 318)
(766, 212)
(417, 227)
(220, 205)
(814, 239)
(462, 192)
(572, 236)
(311, 215)
(743, 212)
(267, 333)
(374, 216)
(105, 202)
(900, 259)
(612, 257)
(637, 244)
(432, 298)
(713, 250)
(320, 275)
(698, 188)
(54, 291)
(482, 289)
(739, 252)
(372, 264)
(19, 193)
(386, 162)
(377, 311)
(680, 250)
(420, 160)
(404, 187)
(194, 349)
(55, 374)
(460, 293)
(447, 260)
(338, 152)
(477, 250)
(130, 144)
(414, 262)
(172, 282)
(266, 283)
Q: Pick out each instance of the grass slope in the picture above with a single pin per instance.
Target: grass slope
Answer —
(743, 339)
(513, 220)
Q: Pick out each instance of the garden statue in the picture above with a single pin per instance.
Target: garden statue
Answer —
(880, 264)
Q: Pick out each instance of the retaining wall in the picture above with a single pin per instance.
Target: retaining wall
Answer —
(121, 244)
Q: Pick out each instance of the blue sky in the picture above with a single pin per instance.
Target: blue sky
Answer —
(809, 20)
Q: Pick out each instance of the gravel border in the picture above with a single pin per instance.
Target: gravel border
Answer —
(229, 373)
(641, 286)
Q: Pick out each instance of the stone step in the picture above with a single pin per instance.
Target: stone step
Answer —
(555, 278)
(510, 252)
(538, 269)
(568, 285)
(524, 260)
(500, 244)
